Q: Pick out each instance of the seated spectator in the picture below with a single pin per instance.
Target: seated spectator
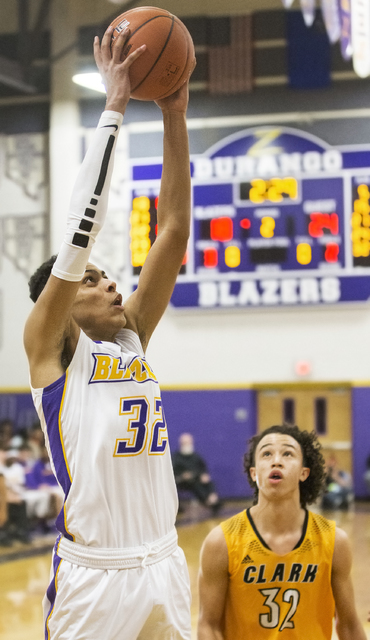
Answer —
(25, 458)
(339, 486)
(30, 497)
(17, 525)
(16, 441)
(191, 474)
(44, 491)
(36, 440)
(33, 495)
(367, 475)
(4, 538)
(6, 433)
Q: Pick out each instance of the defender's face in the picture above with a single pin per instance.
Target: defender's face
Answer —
(278, 465)
(98, 308)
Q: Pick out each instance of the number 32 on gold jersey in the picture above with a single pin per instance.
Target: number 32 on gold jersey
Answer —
(137, 412)
(271, 619)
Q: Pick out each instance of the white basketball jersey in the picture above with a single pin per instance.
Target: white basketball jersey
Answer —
(107, 439)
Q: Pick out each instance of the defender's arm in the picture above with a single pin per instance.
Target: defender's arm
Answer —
(348, 625)
(213, 583)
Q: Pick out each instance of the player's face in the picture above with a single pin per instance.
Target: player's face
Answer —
(278, 466)
(98, 308)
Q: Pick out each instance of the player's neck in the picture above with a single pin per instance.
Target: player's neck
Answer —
(278, 516)
(100, 336)
(279, 524)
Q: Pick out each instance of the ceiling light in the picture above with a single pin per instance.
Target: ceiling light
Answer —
(91, 80)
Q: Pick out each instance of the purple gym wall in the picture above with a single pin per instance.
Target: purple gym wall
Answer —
(18, 407)
(360, 437)
(221, 422)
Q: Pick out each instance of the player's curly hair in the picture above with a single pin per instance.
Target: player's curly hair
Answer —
(314, 485)
(39, 279)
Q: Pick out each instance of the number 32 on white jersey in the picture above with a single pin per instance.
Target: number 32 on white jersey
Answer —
(140, 431)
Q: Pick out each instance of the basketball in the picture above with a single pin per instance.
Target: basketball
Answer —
(169, 56)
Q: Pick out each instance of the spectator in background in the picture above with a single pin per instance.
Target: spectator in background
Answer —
(36, 440)
(33, 495)
(17, 525)
(41, 481)
(191, 473)
(16, 441)
(25, 457)
(30, 497)
(367, 474)
(339, 486)
(6, 432)
(4, 538)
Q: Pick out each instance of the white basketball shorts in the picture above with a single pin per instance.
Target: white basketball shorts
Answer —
(150, 600)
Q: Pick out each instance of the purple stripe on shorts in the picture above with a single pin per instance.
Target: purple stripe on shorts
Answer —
(52, 398)
(52, 588)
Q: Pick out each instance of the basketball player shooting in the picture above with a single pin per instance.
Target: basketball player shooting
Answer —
(117, 571)
(277, 570)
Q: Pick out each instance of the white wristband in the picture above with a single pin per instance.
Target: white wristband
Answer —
(89, 200)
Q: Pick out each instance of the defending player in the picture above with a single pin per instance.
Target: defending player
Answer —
(117, 569)
(278, 570)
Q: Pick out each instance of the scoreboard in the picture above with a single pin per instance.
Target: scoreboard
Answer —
(279, 218)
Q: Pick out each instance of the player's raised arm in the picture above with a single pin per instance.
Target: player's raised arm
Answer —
(50, 329)
(348, 625)
(213, 583)
(158, 276)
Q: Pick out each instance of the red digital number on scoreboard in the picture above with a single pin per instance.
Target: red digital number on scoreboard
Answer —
(323, 222)
(332, 252)
(222, 229)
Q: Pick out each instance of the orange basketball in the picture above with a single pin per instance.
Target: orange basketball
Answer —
(169, 56)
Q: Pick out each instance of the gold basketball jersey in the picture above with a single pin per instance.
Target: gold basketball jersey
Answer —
(274, 597)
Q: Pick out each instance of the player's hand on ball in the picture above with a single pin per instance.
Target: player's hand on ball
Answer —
(114, 71)
(177, 101)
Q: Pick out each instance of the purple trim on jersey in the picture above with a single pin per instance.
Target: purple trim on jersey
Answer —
(52, 398)
(52, 588)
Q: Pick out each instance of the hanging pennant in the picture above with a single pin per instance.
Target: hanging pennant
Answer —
(309, 11)
(360, 30)
(330, 12)
(345, 29)
(308, 54)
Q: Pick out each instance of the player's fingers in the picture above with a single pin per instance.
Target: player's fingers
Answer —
(97, 52)
(134, 55)
(119, 43)
(106, 43)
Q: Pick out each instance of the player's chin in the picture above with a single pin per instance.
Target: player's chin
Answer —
(118, 317)
(123, 319)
